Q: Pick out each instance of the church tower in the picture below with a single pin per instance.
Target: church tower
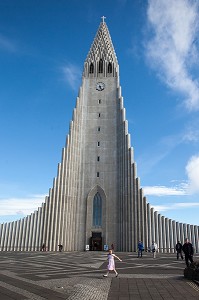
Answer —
(99, 187)
(96, 197)
(105, 157)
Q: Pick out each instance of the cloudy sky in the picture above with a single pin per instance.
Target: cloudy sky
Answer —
(43, 45)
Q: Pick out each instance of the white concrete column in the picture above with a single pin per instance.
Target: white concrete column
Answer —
(149, 224)
(30, 233)
(26, 233)
(171, 229)
(160, 233)
(175, 240)
(152, 225)
(145, 239)
(196, 233)
(17, 239)
(182, 236)
(14, 236)
(163, 235)
(157, 239)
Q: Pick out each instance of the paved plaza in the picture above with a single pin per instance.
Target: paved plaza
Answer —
(79, 275)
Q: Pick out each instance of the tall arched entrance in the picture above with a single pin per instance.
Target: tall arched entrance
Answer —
(96, 238)
(96, 219)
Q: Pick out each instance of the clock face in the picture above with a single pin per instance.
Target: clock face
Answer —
(100, 86)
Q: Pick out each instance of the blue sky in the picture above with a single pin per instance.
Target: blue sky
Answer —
(43, 45)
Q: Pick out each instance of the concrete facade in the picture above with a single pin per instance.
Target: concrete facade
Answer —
(96, 197)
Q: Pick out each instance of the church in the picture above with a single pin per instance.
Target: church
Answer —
(96, 200)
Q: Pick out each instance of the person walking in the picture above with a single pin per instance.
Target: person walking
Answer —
(179, 250)
(111, 263)
(140, 249)
(154, 248)
(187, 248)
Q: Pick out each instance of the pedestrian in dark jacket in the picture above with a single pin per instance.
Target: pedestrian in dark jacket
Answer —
(179, 250)
(187, 248)
(140, 248)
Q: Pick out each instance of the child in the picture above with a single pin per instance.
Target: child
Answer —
(111, 263)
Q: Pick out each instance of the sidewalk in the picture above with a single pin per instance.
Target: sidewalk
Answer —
(148, 278)
(54, 276)
(154, 289)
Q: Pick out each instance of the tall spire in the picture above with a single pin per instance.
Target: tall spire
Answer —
(102, 49)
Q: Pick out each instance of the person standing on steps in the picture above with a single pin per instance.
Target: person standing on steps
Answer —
(111, 263)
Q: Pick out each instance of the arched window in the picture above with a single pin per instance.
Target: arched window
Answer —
(91, 68)
(101, 66)
(97, 210)
(109, 68)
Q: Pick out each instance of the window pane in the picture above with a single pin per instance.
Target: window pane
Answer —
(97, 210)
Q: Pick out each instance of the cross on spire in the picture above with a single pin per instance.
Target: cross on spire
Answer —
(103, 19)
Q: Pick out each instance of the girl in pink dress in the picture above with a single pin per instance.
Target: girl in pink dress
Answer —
(111, 263)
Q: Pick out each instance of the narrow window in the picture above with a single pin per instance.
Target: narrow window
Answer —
(97, 210)
(99, 101)
(98, 128)
(101, 66)
(91, 68)
(99, 115)
(98, 158)
(97, 174)
(109, 68)
(98, 144)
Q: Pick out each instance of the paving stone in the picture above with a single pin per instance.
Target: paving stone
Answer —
(6, 294)
(33, 288)
(39, 276)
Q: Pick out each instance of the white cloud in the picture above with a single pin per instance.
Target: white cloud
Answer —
(72, 75)
(20, 206)
(165, 191)
(192, 169)
(174, 206)
(172, 49)
(184, 188)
